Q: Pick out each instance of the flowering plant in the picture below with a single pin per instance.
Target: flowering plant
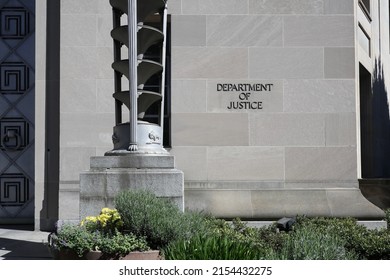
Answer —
(79, 240)
(108, 220)
(97, 233)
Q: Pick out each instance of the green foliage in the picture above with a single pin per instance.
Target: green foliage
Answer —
(310, 243)
(311, 239)
(118, 244)
(229, 240)
(263, 239)
(107, 221)
(346, 228)
(81, 240)
(387, 218)
(374, 245)
(159, 220)
(158, 223)
(211, 247)
(359, 241)
(73, 237)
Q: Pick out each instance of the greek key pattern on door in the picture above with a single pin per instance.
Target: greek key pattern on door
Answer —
(17, 94)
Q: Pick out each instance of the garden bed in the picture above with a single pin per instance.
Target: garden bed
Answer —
(143, 222)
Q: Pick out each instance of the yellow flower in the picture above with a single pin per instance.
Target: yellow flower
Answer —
(108, 218)
(105, 210)
(89, 219)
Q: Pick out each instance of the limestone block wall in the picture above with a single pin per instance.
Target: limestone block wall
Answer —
(39, 160)
(298, 154)
(374, 61)
(86, 86)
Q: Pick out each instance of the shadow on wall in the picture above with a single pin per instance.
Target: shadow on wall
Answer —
(375, 137)
(50, 204)
(375, 123)
(381, 124)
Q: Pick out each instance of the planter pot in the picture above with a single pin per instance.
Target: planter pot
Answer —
(93, 255)
(67, 254)
(63, 254)
(147, 255)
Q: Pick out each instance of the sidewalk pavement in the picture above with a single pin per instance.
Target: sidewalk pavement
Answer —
(21, 243)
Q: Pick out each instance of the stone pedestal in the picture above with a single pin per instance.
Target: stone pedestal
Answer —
(109, 175)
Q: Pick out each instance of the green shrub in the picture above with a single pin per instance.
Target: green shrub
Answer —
(359, 241)
(374, 245)
(73, 237)
(249, 242)
(387, 218)
(196, 236)
(211, 247)
(158, 220)
(265, 239)
(118, 244)
(310, 243)
(80, 240)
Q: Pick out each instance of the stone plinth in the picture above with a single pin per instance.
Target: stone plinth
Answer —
(109, 175)
(273, 201)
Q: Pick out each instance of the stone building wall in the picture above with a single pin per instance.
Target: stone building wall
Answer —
(298, 154)
(295, 153)
(86, 86)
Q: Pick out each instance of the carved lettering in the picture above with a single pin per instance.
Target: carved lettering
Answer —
(244, 87)
(246, 96)
(245, 105)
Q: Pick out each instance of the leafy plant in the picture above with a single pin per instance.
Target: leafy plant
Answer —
(159, 220)
(387, 218)
(309, 243)
(116, 245)
(360, 241)
(156, 222)
(108, 220)
(311, 238)
(73, 237)
(221, 237)
(374, 245)
(211, 247)
(265, 239)
(80, 239)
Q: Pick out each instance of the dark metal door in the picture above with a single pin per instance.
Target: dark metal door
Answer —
(17, 95)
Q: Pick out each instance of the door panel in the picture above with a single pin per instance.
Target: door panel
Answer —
(17, 94)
